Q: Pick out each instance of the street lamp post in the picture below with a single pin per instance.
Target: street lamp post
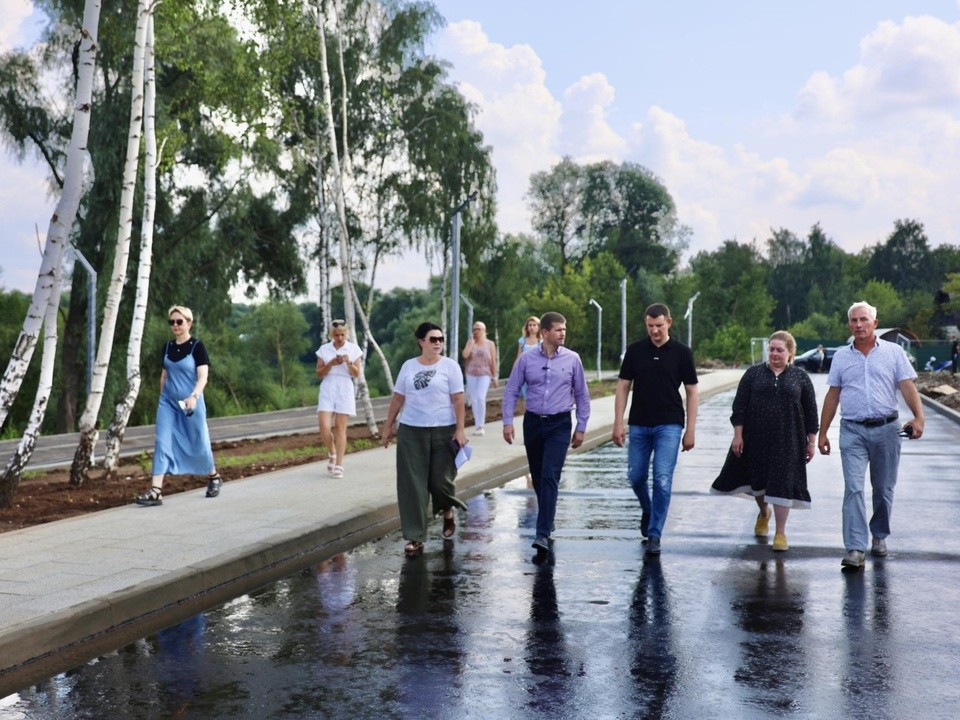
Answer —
(91, 313)
(599, 331)
(453, 342)
(689, 318)
(469, 311)
(623, 318)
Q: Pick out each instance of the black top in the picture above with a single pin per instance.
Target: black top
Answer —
(657, 374)
(176, 353)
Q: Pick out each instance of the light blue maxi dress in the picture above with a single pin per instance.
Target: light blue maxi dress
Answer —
(183, 441)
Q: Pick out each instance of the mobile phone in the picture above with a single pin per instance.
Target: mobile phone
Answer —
(454, 445)
(907, 432)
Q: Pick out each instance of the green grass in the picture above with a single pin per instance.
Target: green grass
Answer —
(294, 455)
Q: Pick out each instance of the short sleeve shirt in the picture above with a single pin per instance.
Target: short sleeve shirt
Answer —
(194, 347)
(426, 391)
(328, 352)
(868, 383)
(657, 374)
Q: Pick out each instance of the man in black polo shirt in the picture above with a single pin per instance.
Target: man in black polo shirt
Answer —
(655, 367)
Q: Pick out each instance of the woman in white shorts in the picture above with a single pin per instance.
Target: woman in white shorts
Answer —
(338, 362)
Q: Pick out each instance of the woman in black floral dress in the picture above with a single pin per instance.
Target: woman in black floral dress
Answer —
(775, 428)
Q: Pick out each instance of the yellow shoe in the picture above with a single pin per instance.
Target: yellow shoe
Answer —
(780, 542)
(762, 528)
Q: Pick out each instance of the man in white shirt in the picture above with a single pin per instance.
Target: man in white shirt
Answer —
(863, 382)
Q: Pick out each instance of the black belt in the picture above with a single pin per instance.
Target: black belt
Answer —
(555, 416)
(876, 422)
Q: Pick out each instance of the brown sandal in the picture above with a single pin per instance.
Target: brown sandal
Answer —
(449, 527)
(413, 548)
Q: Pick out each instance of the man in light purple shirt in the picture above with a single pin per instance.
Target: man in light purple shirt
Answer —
(555, 383)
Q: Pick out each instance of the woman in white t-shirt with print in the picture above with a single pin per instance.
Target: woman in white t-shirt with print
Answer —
(429, 391)
(338, 362)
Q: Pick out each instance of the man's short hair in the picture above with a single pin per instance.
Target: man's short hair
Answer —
(871, 310)
(657, 310)
(548, 320)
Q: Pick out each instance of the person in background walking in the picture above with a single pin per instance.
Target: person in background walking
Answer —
(821, 357)
(774, 437)
(527, 342)
(481, 356)
(338, 362)
(655, 367)
(429, 391)
(182, 444)
(530, 338)
(863, 383)
(555, 383)
(955, 354)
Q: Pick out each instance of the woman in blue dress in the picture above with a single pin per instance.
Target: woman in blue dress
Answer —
(183, 441)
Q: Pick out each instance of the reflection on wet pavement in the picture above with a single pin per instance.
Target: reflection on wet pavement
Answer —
(718, 627)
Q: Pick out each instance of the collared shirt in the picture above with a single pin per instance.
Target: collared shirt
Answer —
(656, 374)
(868, 383)
(554, 385)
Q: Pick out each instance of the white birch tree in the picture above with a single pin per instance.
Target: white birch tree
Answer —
(339, 197)
(13, 472)
(63, 217)
(89, 431)
(124, 408)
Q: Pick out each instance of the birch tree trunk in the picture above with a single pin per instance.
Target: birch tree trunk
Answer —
(349, 293)
(63, 217)
(89, 431)
(118, 426)
(14, 470)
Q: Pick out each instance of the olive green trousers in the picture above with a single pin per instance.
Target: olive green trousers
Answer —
(425, 471)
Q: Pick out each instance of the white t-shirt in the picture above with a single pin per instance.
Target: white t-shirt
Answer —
(328, 352)
(426, 390)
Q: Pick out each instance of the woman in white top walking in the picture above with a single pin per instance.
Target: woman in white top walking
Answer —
(338, 362)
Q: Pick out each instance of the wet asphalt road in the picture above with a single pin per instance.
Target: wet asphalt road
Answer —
(718, 627)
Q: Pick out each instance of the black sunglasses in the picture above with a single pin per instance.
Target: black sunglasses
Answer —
(434, 338)
(338, 323)
(176, 321)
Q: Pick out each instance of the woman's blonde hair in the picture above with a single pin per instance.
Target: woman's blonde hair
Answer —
(787, 339)
(185, 311)
(537, 321)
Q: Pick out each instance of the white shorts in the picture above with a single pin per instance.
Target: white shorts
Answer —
(337, 395)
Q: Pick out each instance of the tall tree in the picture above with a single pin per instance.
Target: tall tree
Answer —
(89, 425)
(905, 259)
(555, 201)
(66, 211)
(124, 406)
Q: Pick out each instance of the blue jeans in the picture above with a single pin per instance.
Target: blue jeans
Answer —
(878, 447)
(546, 441)
(663, 443)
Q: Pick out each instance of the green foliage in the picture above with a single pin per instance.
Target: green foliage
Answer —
(891, 311)
(819, 326)
(731, 344)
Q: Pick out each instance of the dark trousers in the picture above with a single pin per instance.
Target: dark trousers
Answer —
(546, 441)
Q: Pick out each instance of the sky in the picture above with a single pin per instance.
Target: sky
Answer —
(754, 114)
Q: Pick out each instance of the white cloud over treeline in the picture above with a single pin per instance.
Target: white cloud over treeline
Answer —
(857, 150)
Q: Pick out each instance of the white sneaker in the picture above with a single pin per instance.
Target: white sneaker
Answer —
(478, 431)
(337, 471)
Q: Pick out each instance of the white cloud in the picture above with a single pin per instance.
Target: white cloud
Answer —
(13, 13)
(902, 67)
(518, 116)
(878, 142)
(586, 135)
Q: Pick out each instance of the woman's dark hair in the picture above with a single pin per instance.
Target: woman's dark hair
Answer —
(423, 328)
